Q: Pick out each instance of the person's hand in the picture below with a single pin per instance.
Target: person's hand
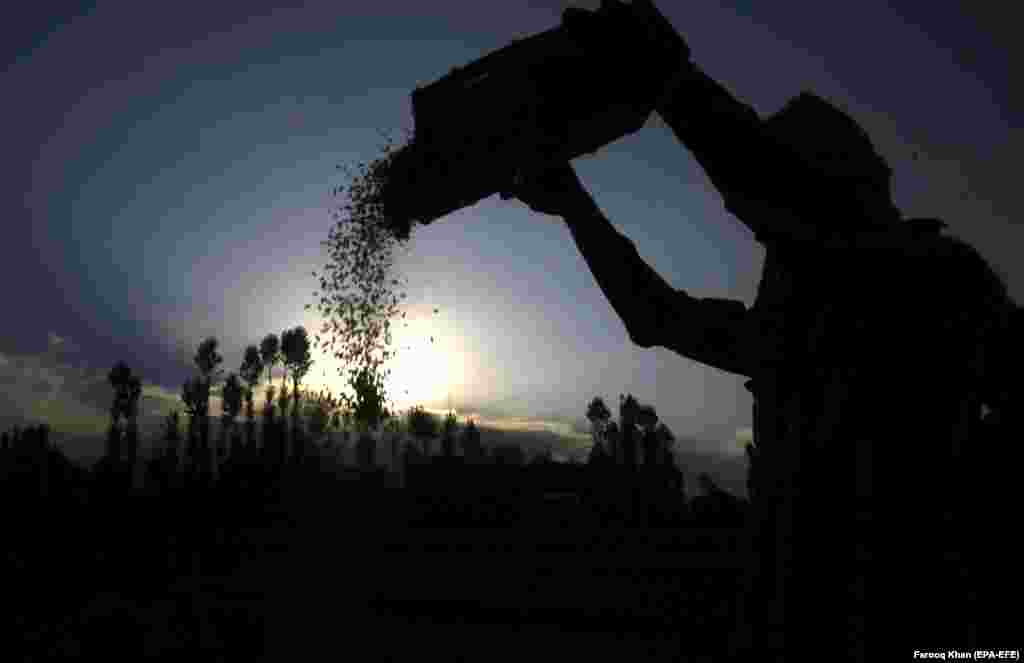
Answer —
(554, 189)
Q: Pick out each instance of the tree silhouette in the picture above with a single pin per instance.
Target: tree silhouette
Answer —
(646, 417)
(119, 377)
(283, 398)
(393, 429)
(666, 440)
(336, 421)
(613, 436)
(598, 454)
(470, 441)
(629, 412)
(192, 396)
(423, 426)
(647, 421)
(297, 360)
(172, 428)
(348, 417)
(599, 415)
(207, 360)
(268, 406)
(268, 430)
(251, 371)
(449, 431)
(127, 388)
(232, 398)
(270, 353)
(367, 407)
(112, 447)
(172, 436)
(321, 413)
(127, 391)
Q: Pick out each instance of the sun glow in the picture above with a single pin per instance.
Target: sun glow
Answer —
(428, 368)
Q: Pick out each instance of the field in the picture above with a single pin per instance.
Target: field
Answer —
(313, 574)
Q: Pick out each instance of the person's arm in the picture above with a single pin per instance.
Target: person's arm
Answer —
(656, 314)
(763, 182)
(709, 331)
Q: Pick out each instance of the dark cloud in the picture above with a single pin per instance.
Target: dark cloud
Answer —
(158, 402)
(93, 391)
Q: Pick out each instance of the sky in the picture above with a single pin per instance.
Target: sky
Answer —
(168, 174)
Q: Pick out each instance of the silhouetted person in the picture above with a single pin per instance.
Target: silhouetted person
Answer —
(867, 331)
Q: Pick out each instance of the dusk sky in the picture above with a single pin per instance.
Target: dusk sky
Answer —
(168, 171)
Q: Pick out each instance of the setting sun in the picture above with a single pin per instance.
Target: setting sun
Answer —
(428, 367)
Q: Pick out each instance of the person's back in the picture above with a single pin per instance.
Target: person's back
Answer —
(862, 421)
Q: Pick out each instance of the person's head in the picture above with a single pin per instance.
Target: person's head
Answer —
(833, 143)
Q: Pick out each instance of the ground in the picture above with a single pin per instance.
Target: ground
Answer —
(316, 581)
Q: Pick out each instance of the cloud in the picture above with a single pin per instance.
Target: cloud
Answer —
(156, 401)
(91, 390)
(72, 397)
(60, 344)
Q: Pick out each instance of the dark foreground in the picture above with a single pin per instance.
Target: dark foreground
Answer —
(317, 572)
